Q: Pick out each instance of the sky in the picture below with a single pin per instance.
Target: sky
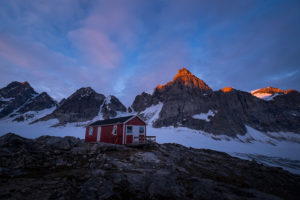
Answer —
(125, 47)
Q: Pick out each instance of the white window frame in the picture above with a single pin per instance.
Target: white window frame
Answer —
(143, 129)
(90, 131)
(115, 130)
(131, 130)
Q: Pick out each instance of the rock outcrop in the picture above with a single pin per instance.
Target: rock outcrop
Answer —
(18, 98)
(38, 103)
(268, 93)
(13, 96)
(186, 98)
(111, 106)
(67, 168)
(84, 105)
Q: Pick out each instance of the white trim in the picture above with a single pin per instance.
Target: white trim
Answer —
(132, 129)
(107, 124)
(123, 141)
(143, 129)
(99, 133)
(133, 118)
(91, 128)
(115, 129)
(88, 125)
(126, 133)
(130, 118)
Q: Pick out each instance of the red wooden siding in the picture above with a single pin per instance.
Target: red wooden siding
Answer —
(93, 137)
(107, 136)
(135, 121)
(129, 139)
(120, 134)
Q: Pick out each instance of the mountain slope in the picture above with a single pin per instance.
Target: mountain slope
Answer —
(16, 99)
(13, 96)
(84, 105)
(227, 111)
(268, 93)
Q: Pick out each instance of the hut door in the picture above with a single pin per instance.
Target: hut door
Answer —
(98, 133)
(135, 133)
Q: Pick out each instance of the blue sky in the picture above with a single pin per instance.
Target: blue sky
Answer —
(126, 47)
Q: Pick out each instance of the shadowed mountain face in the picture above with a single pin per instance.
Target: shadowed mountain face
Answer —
(84, 105)
(187, 97)
(18, 98)
(186, 101)
(20, 102)
(68, 168)
(13, 96)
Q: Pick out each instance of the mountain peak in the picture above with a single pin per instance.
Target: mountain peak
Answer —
(227, 89)
(270, 90)
(182, 72)
(186, 78)
(84, 91)
(16, 84)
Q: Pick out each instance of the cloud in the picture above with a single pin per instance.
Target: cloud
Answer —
(37, 64)
(126, 47)
(96, 47)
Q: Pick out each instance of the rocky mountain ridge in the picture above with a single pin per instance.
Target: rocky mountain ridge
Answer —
(186, 101)
(18, 98)
(68, 168)
(185, 105)
(20, 102)
(84, 105)
(268, 93)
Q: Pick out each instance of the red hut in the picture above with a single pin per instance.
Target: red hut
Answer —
(122, 130)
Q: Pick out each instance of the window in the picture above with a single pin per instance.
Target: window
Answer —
(91, 131)
(114, 132)
(129, 130)
(142, 129)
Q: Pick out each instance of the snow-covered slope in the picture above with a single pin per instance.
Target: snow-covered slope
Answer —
(268, 93)
(267, 148)
(152, 113)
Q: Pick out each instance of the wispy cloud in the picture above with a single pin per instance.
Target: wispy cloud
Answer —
(125, 47)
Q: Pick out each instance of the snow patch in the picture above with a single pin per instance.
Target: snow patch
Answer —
(39, 114)
(6, 99)
(270, 98)
(181, 135)
(273, 138)
(88, 92)
(205, 116)
(107, 100)
(265, 96)
(255, 135)
(152, 113)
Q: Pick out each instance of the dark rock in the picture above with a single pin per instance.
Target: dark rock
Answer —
(129, 109)
(13, 96)
(67, 168)
(40, 102)
(141, 102)
(19, 119)
(111, 106)
(84, 105)
(231, 110)
(18, 98)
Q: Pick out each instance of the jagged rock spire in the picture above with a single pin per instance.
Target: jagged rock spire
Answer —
(186, 78)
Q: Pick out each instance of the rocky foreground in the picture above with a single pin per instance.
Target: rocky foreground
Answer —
(68, 168)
